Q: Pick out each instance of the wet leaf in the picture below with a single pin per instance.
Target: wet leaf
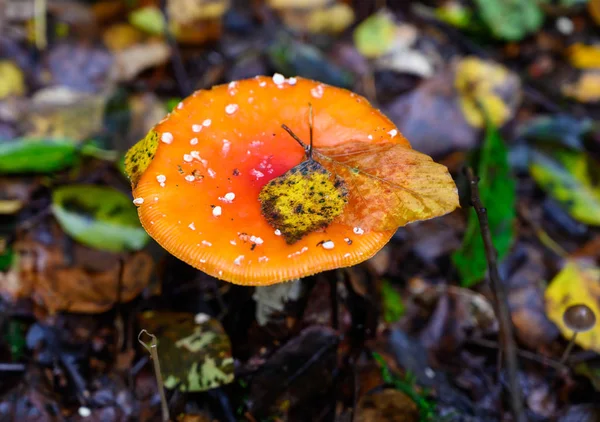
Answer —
(11, 79)
(570, 177)
(375, 35)
(100, 217)
(393, 308)
(577, 283)
(36, 155)
(511, 20)
(194, 350)
(498, 194)
(485, 87)
(389, 185)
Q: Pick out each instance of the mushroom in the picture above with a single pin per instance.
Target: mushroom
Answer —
(198, 174)
(578, 318)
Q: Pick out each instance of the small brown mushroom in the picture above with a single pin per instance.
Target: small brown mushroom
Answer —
(578, 318)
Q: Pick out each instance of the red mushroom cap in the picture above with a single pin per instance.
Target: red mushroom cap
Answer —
(197, 177)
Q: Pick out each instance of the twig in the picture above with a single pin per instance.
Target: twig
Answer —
(498, 288)
(157, 373)
(524, 354)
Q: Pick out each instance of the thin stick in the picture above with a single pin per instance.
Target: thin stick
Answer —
(293, 135)
(161, 389)
(506, 328)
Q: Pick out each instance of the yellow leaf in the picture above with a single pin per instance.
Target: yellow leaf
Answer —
(333, 19)
(479, 84)
(389, 185)
(375, 35)
(11, 79)
(584, 56)
(586, 89)
(120, 36)
(577, 283)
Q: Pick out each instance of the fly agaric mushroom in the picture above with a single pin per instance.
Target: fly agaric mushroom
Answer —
(199, 179)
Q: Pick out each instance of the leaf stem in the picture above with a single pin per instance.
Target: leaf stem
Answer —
(499, 290)
(153, 350)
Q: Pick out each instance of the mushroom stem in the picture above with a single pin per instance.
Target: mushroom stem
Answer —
(567, 352)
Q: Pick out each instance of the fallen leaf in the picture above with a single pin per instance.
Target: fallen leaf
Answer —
(98, 216)
(194, 350)
(561, 130)
(86, 281)
(586, 89)
(59, 112)
(570, 177)
(36, 155)
(373, 186)
(121, 36)
(148, 19)
(12, 81)
(577, 283)
(511, 20)
(431, 117)
(389, 185)
(331, 19)
(594, 10)
(497, 189)
(406, 61)
(584, 56)
(388, 405)
(131, 61)
(486, 88)
(375, 35)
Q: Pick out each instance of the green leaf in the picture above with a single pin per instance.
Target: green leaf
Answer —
(36, 155)
(100, 217)
(498, 194)
(15, 338)
(511, 20)
(375, 35)
(393, 308)
(149, 19)
(570, 177)
(194, 351)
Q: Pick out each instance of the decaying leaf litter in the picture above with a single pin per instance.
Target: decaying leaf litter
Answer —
(410, 334)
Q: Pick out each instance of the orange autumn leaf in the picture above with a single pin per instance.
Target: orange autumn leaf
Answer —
(389, 184)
